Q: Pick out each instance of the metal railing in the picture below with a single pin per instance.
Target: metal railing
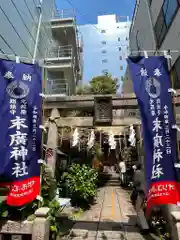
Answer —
(80, 40)
(57, 86)
(59, 52)
(64, 13)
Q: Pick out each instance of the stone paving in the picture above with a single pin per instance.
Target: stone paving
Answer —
(112, 217)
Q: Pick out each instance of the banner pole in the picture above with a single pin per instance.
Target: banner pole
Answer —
(42, 119)
(43, 108)
(174, 104)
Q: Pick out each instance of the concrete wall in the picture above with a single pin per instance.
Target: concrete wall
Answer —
(19, 21)
(141, 32)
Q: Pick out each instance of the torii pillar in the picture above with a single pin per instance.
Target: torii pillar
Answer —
(52, 140)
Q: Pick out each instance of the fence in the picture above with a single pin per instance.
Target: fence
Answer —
(57, 86)
(38, 229)
(64, 13)
(59, 52)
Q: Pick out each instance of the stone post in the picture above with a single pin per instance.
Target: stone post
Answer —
(171, 214)
(52, 140)
(41, 225)
(176, 224)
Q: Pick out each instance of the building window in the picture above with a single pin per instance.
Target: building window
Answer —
(170, 8)
(104, 71)
(175, 71)
(160, 29)
(121, 67)
(120, 48)
(104, 61)
(104, 51)
(103, 42)
(165, 18)
(120, 57)
(103, 31)
(119, 39)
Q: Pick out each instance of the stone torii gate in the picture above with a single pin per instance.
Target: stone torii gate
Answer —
(55, 105)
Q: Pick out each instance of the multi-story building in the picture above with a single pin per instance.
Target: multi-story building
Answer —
(35, 29)
(155, 27)
(127, 85)
(64, 55)
(105, 46)
(20, 20)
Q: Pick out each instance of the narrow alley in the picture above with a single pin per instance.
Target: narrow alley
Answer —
(112, 217)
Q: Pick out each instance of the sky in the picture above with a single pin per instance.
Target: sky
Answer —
(88, 10)
(93, 56)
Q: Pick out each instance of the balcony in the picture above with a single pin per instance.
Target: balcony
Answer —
(60, 56)
(63, 18)
(80, 42)
(57, 86)
(64, 14)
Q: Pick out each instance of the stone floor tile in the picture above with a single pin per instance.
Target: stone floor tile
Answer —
(111, 217)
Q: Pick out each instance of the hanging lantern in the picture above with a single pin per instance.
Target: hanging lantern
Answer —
(75, 138)
(91, 140)
(132, 138)
(112, 142)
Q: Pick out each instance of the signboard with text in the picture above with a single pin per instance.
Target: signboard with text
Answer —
(151, 83)
(20, 138)
(127, 113)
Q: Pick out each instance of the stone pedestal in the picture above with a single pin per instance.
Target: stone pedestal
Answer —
(41, 225)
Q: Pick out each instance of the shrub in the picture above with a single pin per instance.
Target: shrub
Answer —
(82, 182)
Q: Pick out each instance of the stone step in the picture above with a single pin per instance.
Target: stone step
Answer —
(114, 180)
(113, 184)
(78, 234)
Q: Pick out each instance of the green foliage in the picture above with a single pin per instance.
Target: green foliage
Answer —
(76, 214)
(104, 84)
(97, 151)
(48, 185)
(82, 182)
(159, 225)
(83, 90)
(54, 208)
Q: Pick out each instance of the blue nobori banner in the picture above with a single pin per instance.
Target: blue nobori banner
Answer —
(20, 137)
(151, 82)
